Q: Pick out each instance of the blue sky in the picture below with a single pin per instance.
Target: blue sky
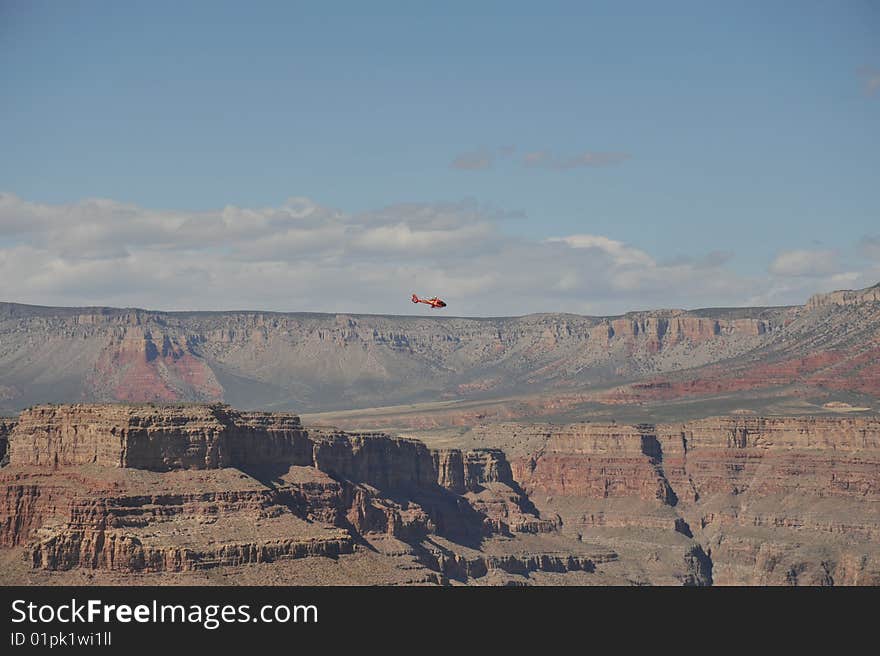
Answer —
(737, 133)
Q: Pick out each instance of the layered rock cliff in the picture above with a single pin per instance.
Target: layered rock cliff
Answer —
(845, 297)
(171, 490)
(181, 437)
(326, 361)
(780, 500)
(184, 488)
(316, 362)
(6, 426)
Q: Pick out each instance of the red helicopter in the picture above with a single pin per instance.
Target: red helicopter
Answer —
(435, 302)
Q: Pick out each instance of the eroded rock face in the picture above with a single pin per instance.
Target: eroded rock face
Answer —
(845, 297)
(675, 328)
(707, 456)
(470, 471)
(829, 347)
(825, 457)
(595, 460)
(6, 426)
(166, 438)
(139, 356)
(770, 500)
(183, 488)
(165, 489)
(159, 438)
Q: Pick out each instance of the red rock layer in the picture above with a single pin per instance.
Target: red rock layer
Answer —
(599, 461)
(835, 456)
(771, 500)
(836, 369)
(141, 365)
(62, 499)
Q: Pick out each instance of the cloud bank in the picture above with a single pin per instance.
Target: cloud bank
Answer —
(304, 256)
(814, 263)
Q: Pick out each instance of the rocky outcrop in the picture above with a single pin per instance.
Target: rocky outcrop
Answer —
(845, 297)
(729, 455)
(26, 505)
(6, 426)
(159, 438)
(146, 363)
(820, 456)
(171, 489)
(462, 472)
(174, 437)
(116, 550)
(456, 566)
(767, 500)
(595, 460)
(665, 330)
(180, 488)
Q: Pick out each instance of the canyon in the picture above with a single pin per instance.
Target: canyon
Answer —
(560, 366)
(204, 493)
(727, 446)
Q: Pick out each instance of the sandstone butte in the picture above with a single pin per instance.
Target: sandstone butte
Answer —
(147, 494)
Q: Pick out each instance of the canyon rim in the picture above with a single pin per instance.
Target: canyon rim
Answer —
(704, 447)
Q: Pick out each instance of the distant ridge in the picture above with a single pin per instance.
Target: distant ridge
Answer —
(310, 362)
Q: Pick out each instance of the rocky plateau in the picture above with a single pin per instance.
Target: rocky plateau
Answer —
(736, 446)
(141, 494)
(550, 365)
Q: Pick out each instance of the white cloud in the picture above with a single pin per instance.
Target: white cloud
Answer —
(303, 256)
(804, 263)
(401, 237)
(621, 254)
